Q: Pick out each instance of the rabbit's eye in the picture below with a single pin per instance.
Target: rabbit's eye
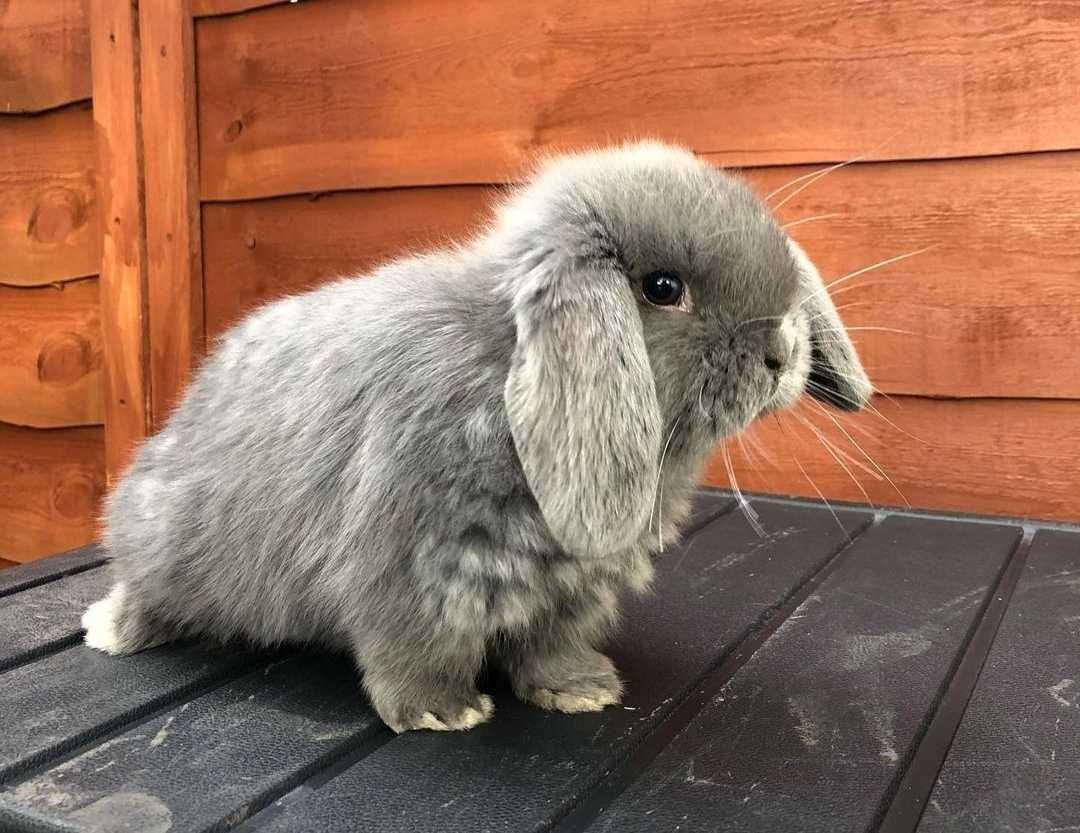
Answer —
(662, 288)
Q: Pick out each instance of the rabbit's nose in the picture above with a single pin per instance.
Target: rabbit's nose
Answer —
(778, 350)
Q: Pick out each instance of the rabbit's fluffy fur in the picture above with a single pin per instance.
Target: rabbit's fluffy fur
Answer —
(457, 458)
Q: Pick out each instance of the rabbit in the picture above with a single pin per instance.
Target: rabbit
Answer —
(469, 454)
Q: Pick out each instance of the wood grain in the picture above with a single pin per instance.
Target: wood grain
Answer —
(49, 226)
(209, 8)
(992, 311)
(123, 280)
(51, 355)
(335, 94)
(44, 54)
(51, 486)
(170, 158)
(995, 456)
(257, 251)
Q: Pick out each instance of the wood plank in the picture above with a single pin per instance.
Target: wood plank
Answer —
(44, 619)
(812, 731)
(174, 247)
(209, 8)
(49, 569)
(712, 591)
(49, 225)
(254, 252)
(330, 95)
(86, 693)
(211, 762)
(993, 309)
(114, 52)
(994, 456)
(1013, 762)
(51, 486)
(51, 355)
(44, 54)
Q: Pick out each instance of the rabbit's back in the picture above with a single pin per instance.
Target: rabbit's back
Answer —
(322, 436)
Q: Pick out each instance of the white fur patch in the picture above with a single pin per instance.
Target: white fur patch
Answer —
(99, 621)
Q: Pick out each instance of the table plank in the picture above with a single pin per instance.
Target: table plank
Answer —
(707, 507)
(47, 617)
(38, 572)
(527, 767)
(57, 703)
(219, 756)
(1014, 761)
(813, 730)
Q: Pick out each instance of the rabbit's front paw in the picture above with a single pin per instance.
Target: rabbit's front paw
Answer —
(440, 714)
(581, 683)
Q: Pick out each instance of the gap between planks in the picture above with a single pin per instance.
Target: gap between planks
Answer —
(698, 695)
(903, 804)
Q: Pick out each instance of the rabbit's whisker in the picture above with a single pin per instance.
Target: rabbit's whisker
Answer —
(813, 219)
(814, 176)
(742, 324)
(894, 259)
(862, 451)
(850, 460)
(807, 180)
(869, 329)
(744, 504)
(869, 406)
(828, 447)
(701, 406)
(658, 489)
(809, 479)
(745, 451)
(758, 448)
(838, 307)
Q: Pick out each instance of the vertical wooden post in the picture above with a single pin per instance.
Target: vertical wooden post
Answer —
(114, 53)
(173, 222)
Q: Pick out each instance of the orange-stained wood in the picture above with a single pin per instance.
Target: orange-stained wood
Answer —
(257, 251)
(208, 8)
(49, 227)
(174, 248)
(51, 485)
(44, 54)
(997, 456)
(123, 263)
(337, 94)
(993, 310)
(51, 356)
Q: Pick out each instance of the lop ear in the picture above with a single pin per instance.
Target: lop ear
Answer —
(836, 374)
(581, 401)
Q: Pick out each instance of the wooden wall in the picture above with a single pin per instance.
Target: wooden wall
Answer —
(247, 148)
(334, 133)
(52, 470)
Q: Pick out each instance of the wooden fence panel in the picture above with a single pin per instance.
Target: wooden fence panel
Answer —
(992, 310)
(114, 49)
(44, 54)
(337, 94)
(997, 456)
(51, 355)
(49, 228)
(51, 486)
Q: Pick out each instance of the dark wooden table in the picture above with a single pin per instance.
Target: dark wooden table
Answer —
(863, 671)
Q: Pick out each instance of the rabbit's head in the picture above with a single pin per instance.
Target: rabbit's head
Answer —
(656, 300)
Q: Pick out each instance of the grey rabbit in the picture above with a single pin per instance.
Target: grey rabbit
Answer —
(466, 456)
